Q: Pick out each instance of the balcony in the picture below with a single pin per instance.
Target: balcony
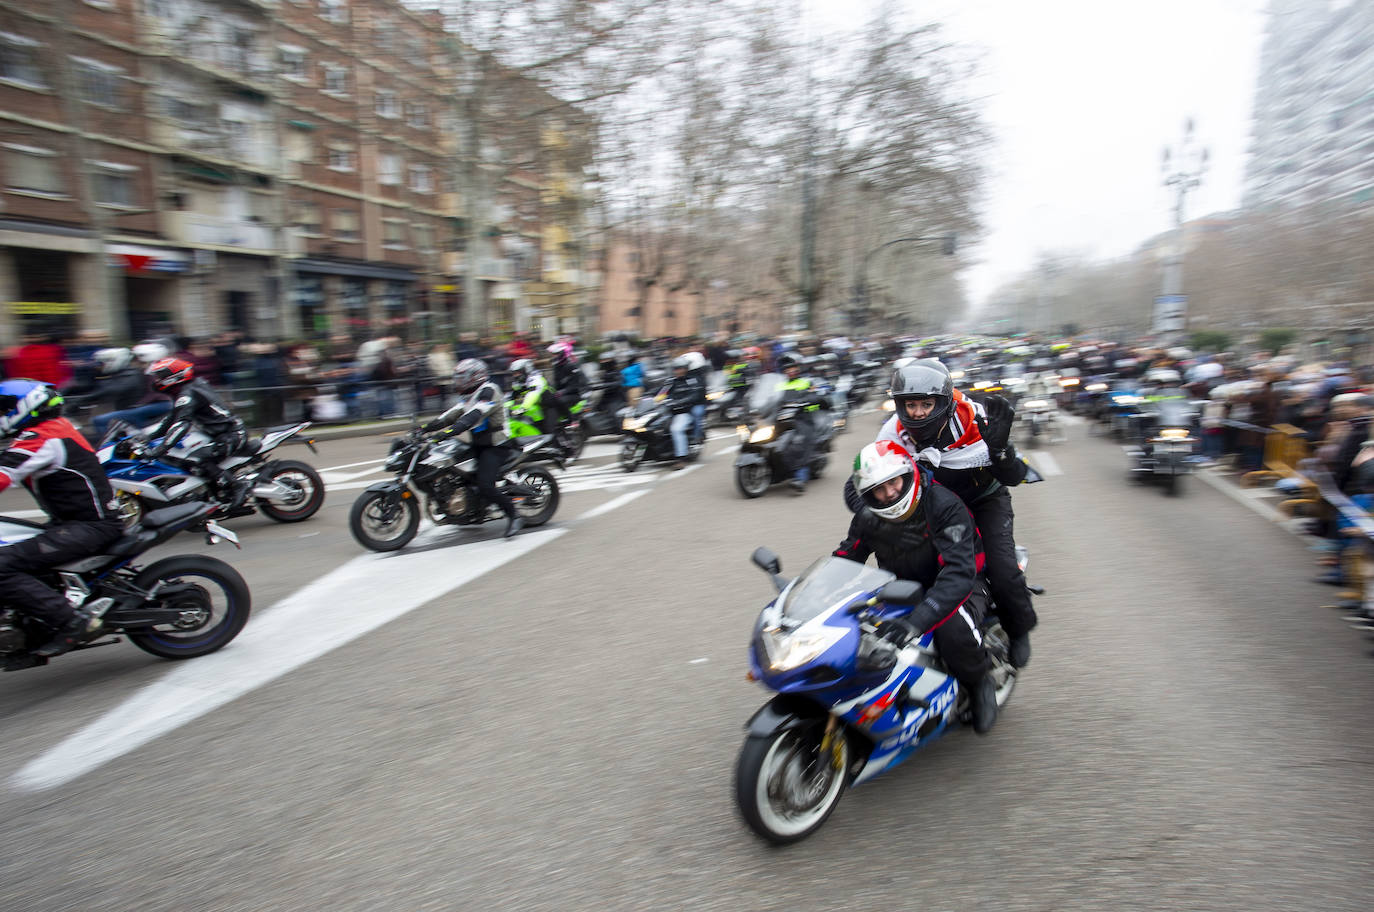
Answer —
(196, 230)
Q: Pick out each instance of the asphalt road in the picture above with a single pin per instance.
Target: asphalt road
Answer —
(552, 722)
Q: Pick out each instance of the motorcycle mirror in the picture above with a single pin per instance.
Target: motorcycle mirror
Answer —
(902, 592)
(766, 560)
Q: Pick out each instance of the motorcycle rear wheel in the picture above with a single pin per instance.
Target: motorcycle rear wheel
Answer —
(540, 507)
(216, 606)
(752, 480)
(785, 787)
(300, 476)
(370, 512)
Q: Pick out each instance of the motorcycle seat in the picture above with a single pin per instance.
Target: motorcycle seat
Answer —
(250, 448)
(131, 543)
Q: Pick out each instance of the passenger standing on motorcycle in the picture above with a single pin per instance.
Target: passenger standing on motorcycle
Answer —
(685, 391)
(802, 392)
(968, 444)
(49, 456)
(922, 532)
(481, 412)
(196, 406)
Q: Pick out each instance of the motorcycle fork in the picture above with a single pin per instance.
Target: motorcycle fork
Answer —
(831, 742)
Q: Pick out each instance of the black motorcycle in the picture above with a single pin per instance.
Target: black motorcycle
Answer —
(646, 433)
(179, 607)
(386, 516)
(771, 434)
(1165, 449)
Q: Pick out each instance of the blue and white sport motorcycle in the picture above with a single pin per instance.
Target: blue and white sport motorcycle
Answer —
(850, 702)
(285, 490)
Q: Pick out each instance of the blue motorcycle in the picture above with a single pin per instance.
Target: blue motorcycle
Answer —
(285, 490)
(850, 702)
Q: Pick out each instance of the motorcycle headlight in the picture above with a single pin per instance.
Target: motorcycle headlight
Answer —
(762, 434)
(889, 405)
(1096, 388)
(1173, 434)
(635, 424)
(787, 651)
(712, 397)
(743, 432)
(1035, 404)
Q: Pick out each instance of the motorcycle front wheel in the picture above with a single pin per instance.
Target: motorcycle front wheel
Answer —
(786, 786)
(752, 480)
(631, 454)
(306, 487)
(212, 597)
(539, 507)
(381, 526)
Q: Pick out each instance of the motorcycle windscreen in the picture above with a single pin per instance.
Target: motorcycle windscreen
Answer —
(766, 393)
(828, 582)
(1173, 409)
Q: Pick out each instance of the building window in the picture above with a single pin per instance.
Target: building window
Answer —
(394, 233)
(335, 11)
(113, 183)
(342, 158)
(307, 217)
(293, 64)
(386, 104)
(19, 61)
(389, 169)
(32, 170)
(417, 114)
(421, 179)
(335, 79)
(345, 224)
(99, 83)
(424, 237)
(384, 35)
(160, 9)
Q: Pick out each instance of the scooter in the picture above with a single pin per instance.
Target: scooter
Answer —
(767, 437)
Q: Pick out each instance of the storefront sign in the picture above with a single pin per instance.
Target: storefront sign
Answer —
(43, 308)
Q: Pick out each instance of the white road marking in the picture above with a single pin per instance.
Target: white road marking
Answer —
(28, 514)
(698, 661)
(358, 597)
(610, 505)
(1044, 463)
(354, 465)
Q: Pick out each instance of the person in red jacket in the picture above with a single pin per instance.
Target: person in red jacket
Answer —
(48, 455)
(39, 358)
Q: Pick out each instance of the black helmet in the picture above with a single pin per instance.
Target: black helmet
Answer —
(789, 359)
(925, 379)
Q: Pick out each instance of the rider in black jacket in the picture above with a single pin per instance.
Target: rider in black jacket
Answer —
(968, 444)
(684, 391)
(48, 455)
(922, 532)
(481, 412)
(196, 405)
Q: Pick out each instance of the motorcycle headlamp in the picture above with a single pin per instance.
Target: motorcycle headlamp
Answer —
(1095, 388)
(787, 650)
(1033, 404)
(713, 396)
(635, 424)
(762, 434)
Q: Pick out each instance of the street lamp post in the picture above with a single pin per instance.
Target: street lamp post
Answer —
(948, 246)
(1183, 166)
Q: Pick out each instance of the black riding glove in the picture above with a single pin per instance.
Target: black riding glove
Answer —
(431, 427)
(996, 427)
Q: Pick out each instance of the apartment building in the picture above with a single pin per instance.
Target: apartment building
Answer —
(1313, 134)
(284, 169)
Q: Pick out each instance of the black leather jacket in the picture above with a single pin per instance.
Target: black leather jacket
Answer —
(938, 547)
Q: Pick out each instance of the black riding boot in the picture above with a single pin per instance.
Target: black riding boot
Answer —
(982, 697)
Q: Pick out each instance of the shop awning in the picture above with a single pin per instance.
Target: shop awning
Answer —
(362, 270)
(143, 258)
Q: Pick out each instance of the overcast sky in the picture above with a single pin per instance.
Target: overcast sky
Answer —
(1082, 96)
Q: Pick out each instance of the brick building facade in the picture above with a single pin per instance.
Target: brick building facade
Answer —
(284, 169)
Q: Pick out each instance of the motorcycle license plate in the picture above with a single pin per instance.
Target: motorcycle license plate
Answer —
(215, 530)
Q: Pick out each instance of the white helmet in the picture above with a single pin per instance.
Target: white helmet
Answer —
(879, 463)
(150, 352)
(113, 359)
